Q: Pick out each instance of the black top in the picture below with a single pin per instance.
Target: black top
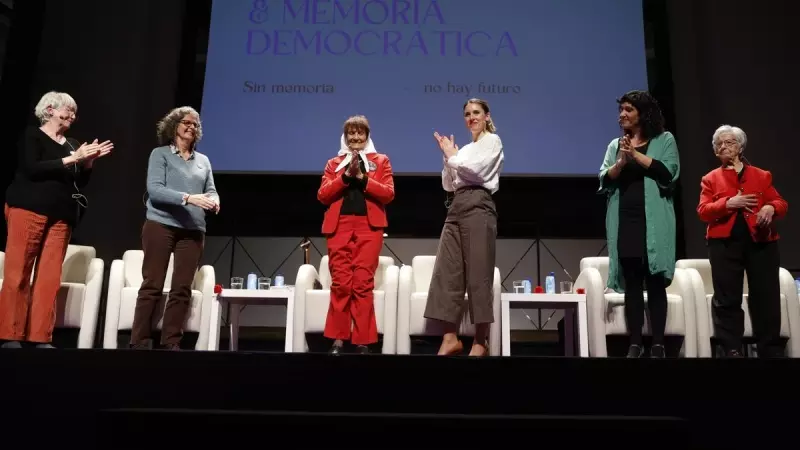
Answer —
(740, 230)
(632, 241)
(354, 203)
(42, 184)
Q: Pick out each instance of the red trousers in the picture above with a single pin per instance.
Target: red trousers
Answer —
(31, 235)
(353, 252)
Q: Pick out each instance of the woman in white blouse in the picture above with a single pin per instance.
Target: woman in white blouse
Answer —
(466, 256)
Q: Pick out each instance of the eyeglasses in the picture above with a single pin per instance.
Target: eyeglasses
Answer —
(728, 143)
(189, 123)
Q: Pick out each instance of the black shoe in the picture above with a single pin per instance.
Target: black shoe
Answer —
(657, 351)
(733, 354)
(11, 344)
(635, 351)
(44, 345)
(363, 350)
(335, 350)
(172, 347)
(146, 344)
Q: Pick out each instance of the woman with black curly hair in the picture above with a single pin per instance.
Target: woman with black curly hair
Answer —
(180, 186)
(638, 174)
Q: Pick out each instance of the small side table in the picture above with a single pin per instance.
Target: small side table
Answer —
(570, 303)
(276, 296)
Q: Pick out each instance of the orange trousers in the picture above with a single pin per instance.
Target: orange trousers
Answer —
(31, 236)
(353, 253)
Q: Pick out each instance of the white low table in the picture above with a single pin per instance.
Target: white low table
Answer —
(568, 302)
(237, 298)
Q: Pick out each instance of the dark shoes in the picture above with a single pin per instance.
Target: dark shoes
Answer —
(338, 349)
(635, 351)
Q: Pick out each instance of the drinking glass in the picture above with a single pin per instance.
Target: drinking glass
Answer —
(264, 282)
(519, 287)
(237, 282)
(566, 287)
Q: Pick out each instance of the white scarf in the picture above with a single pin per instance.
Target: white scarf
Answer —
(344, 150)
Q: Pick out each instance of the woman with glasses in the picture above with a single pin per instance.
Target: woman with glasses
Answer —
(180, 186)
(740, 205)
(43, 204)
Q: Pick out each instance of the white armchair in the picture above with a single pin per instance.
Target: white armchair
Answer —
(700, 272)
(413, 296)
(124, 281)
(311, 305)
(606, 308)
(78, 299)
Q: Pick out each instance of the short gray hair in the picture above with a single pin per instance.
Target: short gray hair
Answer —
(53, 100)
(166, 127)
(738, 133)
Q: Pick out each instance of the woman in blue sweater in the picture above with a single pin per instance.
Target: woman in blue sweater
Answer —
(180, 186)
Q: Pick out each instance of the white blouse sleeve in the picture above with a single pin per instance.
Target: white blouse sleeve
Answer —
(480, 161)
(447, 177)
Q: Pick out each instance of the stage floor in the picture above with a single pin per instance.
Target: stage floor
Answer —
(117, 399)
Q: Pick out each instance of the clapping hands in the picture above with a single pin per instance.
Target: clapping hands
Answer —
(88, 152)
(446, 145)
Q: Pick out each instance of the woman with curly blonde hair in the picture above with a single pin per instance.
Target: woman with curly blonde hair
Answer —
(180, 186)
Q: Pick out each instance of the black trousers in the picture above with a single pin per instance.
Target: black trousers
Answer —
(730, 259)
(638, 278)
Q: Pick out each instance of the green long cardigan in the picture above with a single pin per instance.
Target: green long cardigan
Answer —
(659, 211)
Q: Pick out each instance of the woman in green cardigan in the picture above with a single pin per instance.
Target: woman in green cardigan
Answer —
(638, 175)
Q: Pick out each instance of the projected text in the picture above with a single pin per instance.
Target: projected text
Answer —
(358, 27)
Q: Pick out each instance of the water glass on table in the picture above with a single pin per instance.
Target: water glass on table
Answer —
(565, 287)
(264, 283)
(519, 286)
(237, 282)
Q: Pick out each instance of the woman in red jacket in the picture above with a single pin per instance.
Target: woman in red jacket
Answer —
(356, 186)
(740, 205)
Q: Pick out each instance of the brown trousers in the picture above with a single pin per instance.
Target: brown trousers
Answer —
(159, 242)
(31, 237)
(465, 260)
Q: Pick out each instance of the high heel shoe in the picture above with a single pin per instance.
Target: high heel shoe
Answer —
(454, 350)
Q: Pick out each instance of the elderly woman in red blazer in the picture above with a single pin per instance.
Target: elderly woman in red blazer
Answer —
(356, 186)
(740, 205)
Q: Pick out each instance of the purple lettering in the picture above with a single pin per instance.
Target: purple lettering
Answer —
(391, 41)
(253, 36)
(417, 42)
(468, 41)
(337, 6)
(400, 13)
(382, 10)
(506, 42)
(357, 42)
(288, 10)
(347, 42)
(316, 13)
(435, 11)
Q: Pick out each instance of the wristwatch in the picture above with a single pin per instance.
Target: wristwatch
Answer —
(185, 199)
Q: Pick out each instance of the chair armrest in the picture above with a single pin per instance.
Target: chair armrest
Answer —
(701, 317)
(204, 281)
(682, 285)
(90, 309)
(391, 278)
(405, 286)
(592, 282)
(789, 289)
(116, 281)
(495, 332)
(306, 276)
